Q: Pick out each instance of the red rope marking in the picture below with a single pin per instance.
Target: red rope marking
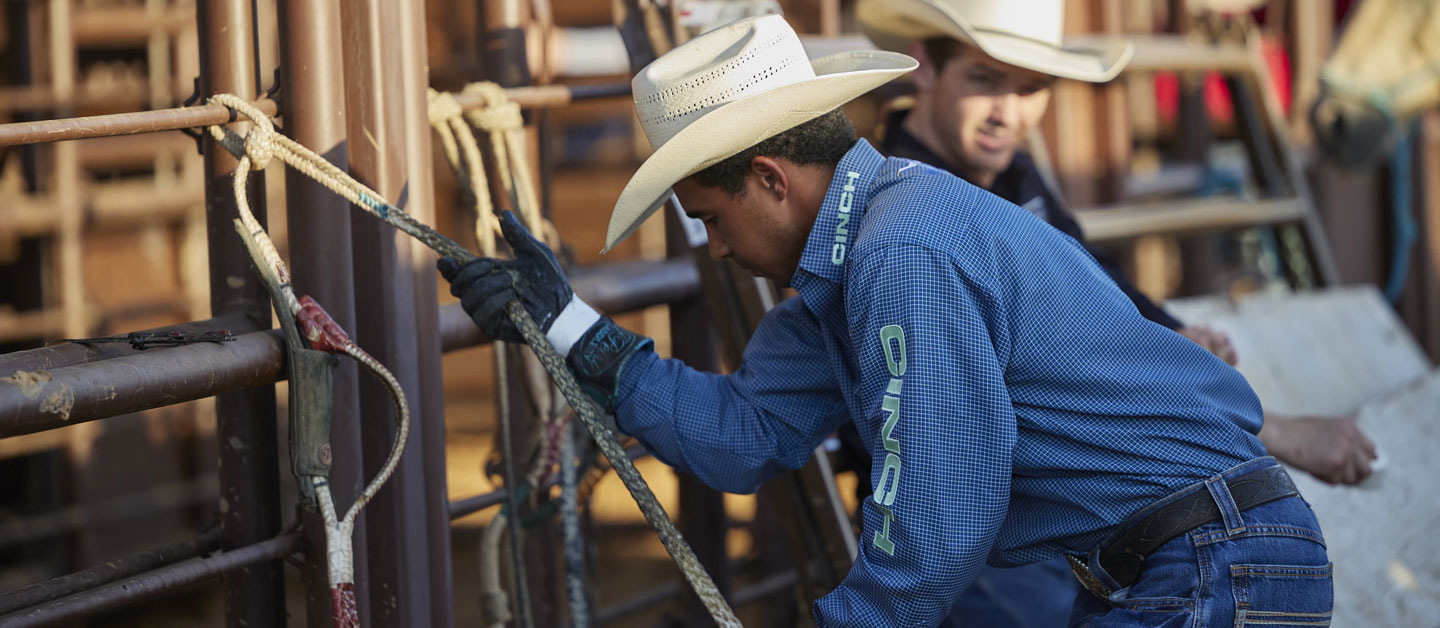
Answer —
(322, 331)
(342, 606)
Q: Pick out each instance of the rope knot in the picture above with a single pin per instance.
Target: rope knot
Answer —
(443, 106)
(499, 113)
(260, 140)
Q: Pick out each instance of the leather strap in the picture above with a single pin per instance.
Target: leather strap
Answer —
(1123, 557)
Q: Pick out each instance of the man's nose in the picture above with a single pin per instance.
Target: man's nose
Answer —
(1005, 109)
(718, 249)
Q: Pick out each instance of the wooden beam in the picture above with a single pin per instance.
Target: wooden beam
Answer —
(1124, 222)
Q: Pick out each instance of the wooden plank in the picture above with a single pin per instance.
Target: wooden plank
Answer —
(1172, 53)
(126, 25)
(1120, 222)
(1344, 351)
(1312, 27)
(1323, 352)
(1380, 534)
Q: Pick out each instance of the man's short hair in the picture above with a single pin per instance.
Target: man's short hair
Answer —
(823, 140)
(942, 50)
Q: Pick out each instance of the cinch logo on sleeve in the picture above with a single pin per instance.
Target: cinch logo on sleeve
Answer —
(842, 233)
(892, 340)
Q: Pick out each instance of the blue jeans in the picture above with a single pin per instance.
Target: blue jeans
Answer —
(1263, 567)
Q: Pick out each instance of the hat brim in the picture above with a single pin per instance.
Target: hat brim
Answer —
(895, 24)
(745, 122)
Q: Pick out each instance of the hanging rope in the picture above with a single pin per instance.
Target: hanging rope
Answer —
(500, 119)
(466, 162)
(323, 334)
(570, 529)
(463, 155)
(262, 143)
(1404, 228)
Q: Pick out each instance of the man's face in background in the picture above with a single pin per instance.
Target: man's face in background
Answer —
(981, 109)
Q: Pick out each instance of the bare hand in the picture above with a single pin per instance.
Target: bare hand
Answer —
(1330, 448)
(1214, 341)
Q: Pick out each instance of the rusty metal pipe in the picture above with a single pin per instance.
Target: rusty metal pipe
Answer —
(160, 377)
(542, 96)
(70, 353)
(56, 588)
(41, 131)
(69, 610)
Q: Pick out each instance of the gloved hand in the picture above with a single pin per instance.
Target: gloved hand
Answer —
(594, 347)
(486, 285)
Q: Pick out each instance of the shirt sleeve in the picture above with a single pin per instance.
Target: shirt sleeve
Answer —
(735, 431)
(941, 429)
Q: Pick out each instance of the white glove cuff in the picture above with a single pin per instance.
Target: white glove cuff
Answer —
(570, 325)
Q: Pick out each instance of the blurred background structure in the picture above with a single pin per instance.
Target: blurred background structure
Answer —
(1253, 151)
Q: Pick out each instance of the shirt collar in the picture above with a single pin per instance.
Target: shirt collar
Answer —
(827, 250)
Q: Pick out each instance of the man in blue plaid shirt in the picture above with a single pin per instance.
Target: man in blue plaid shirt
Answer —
(1016, 404)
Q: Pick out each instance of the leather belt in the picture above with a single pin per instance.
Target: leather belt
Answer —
(1123, 556)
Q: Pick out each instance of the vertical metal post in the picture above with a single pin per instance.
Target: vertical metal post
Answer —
(503, 60)
(320, 227)
(249, 467)
(373, 37)
(421, 263)
(702, 516)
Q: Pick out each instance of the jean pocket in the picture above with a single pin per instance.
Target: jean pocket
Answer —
(1280, 596)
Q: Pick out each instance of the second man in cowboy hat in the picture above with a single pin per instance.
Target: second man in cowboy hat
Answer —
(983, 83)
(1016, 405)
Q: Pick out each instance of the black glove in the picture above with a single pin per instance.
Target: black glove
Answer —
(533, 278)
(595, 348)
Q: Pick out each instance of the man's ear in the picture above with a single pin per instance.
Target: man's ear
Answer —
(924, 76)
(771, 175)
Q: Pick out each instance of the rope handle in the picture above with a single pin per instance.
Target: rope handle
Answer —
(266, 143)
(324, 334)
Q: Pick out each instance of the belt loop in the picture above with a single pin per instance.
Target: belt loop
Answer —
(1229, 511)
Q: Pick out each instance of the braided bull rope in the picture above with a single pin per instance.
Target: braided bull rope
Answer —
(262, 143)
(324, 334)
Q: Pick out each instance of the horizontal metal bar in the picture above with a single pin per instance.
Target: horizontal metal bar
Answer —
(56, 588)
(540, 96)
(41, 131)
(38, 400)
(471, 505)
(611, 288)
(67, 610)
(624, 608)
(753, 592)
(1120, 222)
(69, 353)
(100, 513)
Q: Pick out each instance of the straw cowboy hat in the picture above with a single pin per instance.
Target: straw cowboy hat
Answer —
(1024, 33)
(727, 90)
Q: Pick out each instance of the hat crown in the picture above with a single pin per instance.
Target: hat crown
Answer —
(1040, 20)
(741, 59)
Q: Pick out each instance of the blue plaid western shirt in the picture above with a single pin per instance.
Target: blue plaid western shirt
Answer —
(1015, 401)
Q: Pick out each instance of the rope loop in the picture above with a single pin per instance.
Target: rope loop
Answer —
(260, 141)
(443, 106)
(499, 112)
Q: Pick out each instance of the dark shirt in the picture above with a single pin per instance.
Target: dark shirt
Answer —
(1022, 185)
